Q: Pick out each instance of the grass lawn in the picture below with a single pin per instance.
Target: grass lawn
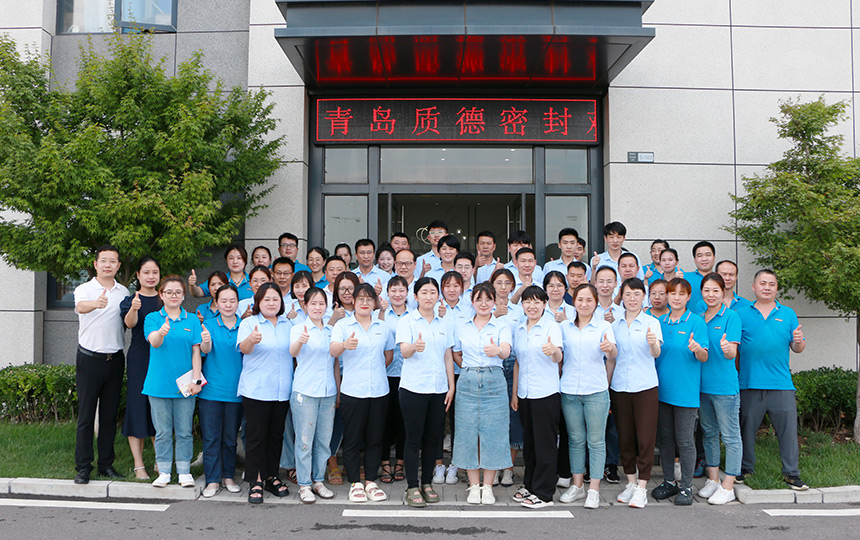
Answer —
(823, 462)
(48, 451)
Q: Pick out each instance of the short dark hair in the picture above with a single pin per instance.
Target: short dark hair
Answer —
(437, 224)
(554, 274)
(365, 242)
(224, 288)
(331, 260)
(260, 268)
(577, 264)
(633, 283)
(397, 280)
(716, 278)
(581, 241)
(261, 292)
(704, 243)
(449, 275)
(628, 255)
(663, 243)
(299, 276)
(603, 268)
(465, 255)
(409, 251)
(488, 234)
(288, 236)
(424, 281)
(726, 261)
(106, 247)
(400, 235)
(614, 227)
(241, 249)
(533, 292)
(519, 237)
(671, 251)
(524, 251)
(448, 240)
(766, 271)
(679, 282)
(567, 231)
(284, 260)
(487, 289)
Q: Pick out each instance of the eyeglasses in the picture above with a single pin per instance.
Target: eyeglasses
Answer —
(342, 290)
(172, 293)
(403, 264)
(289, 245)
(503, 283)
(364, 300)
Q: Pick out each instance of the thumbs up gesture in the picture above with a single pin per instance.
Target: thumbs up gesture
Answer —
(256, 336)
(304, 336)
(560, 316)
(605, 345)
(419, 344)
(679, 272)
(165, 328)
(205, 336)
(200, 316)
(650, 337)
(608, 316)
(797, 335)
(102, 300)
(192, 280)
(649, 273)
(378, 287)
(499, 265)
(351, 342)
(442, 309)
(548, 348)
(425, 268)
(292, 313)
(135, 302)
(492, 349)
(501, 307)
(693, 345)
(595, 260)
(725, 345)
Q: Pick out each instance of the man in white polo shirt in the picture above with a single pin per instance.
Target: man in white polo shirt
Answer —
(100, 364)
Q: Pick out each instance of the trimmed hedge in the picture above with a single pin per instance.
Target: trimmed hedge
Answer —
(826, 397)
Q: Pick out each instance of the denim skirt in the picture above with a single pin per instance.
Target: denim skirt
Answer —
(482, 420)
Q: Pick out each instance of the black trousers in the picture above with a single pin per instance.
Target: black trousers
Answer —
(363, 428)
(395, 433)
(540, 418)
(99, 383)
(264, 436)
(563, 468)
(424, 420)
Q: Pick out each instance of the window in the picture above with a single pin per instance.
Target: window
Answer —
(346, 165)
(62, 294)
(100, 16)
(456, 165)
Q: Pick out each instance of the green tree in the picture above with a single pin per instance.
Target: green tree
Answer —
(156, 165)
(801, 217)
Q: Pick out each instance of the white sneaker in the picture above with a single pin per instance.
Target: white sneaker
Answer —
(487, 496)
(439, 474)
(451, 475)
(446, 443)
(708, 489)
(639, 498)
(627, 494)
(473, 494)
(593, 499)
(677, 471)
(162, 480)
(572, 494)
(507, 478)
(563, 483)
(496, 477)
(722, 496)
(186, 480)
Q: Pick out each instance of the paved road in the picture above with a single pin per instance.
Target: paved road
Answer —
(222, 519)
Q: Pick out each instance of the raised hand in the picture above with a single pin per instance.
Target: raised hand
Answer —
(501, 307)
(419, 344)
(165, 328)
(725, 345)
(560, 316)
(256, 336)
(797, 335)
(442, 309)
(351, 342)
(606, 345)
(499, 265)
(492, 349)
(693, 345)
(200, 316)
(205, 336)
(292, 313)
(649, 273)
(192, 281)
(650, 337)
(378, 287)
(608, 316)
(135, 302)
(548, 348)
(595, 260)
(679, 272)
(304, 336)
(425, 268)
(102, 300)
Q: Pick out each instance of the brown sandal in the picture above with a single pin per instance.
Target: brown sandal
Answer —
(335, 477)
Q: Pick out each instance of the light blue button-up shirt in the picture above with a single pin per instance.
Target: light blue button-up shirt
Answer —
(606, 260)
(424, 372)
(569, 311)
(432, 259)
(537, 275)
(600, 311)
(635, 368)
(484, 273)
(584, 369)
(375, 274)
(314, 375)
(364, 373)
(267, 373)
(538, 374)
(394, 369)
(471, 342)
(559, 266)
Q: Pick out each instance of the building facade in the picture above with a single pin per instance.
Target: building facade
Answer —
(397, 113)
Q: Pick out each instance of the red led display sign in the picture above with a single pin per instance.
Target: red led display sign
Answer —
(469, 120)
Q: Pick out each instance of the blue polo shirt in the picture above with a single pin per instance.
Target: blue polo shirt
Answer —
(719, 376)
(244, 287)
(301, 266)
(206, 310)
(364, 374)
(314, 376)
(678, 371)
(173, 358)
(764, 350)
(267, 372)
(736, 303)
(695, 281)
(223, 363)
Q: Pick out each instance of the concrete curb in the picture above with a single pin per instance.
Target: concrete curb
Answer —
(104, 489)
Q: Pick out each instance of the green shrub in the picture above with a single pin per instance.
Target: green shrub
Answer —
(826, 397)
(35, 393)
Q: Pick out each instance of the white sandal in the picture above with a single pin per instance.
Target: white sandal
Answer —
(323, 492)
(374, 492)
(306, 495)
(356, 493)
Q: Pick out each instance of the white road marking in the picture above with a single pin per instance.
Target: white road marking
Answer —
(87, 505)
(469, 514)
(839, 512)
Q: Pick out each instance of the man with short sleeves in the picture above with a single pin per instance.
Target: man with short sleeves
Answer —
(431, 260)
(288, 246)
(614, 235)
(485, 262)
(567, 244)
(704, 255)
(768, 331)
(404, 266)
(365, 253)
(100, 364)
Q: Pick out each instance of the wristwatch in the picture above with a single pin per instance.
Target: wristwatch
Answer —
(198, 381)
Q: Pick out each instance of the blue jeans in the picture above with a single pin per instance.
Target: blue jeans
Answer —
(482, 414)
(719, 415)
(515, 425)
(313, 419)
(288, 449)
(219, 422)
(172, 418)
(585, 416)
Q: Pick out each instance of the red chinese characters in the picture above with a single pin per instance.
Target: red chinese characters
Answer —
(339, 119)
(470, 121)
(426, 120)
(555, 122)
(514, 121)
(382, 121)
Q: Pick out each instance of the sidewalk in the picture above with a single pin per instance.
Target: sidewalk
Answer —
(451, 495)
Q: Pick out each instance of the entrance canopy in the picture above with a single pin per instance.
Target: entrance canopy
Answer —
(468, 44)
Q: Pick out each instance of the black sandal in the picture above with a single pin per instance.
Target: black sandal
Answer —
(399, 473)
(385, 477)
(277, 487)
(255, 493)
